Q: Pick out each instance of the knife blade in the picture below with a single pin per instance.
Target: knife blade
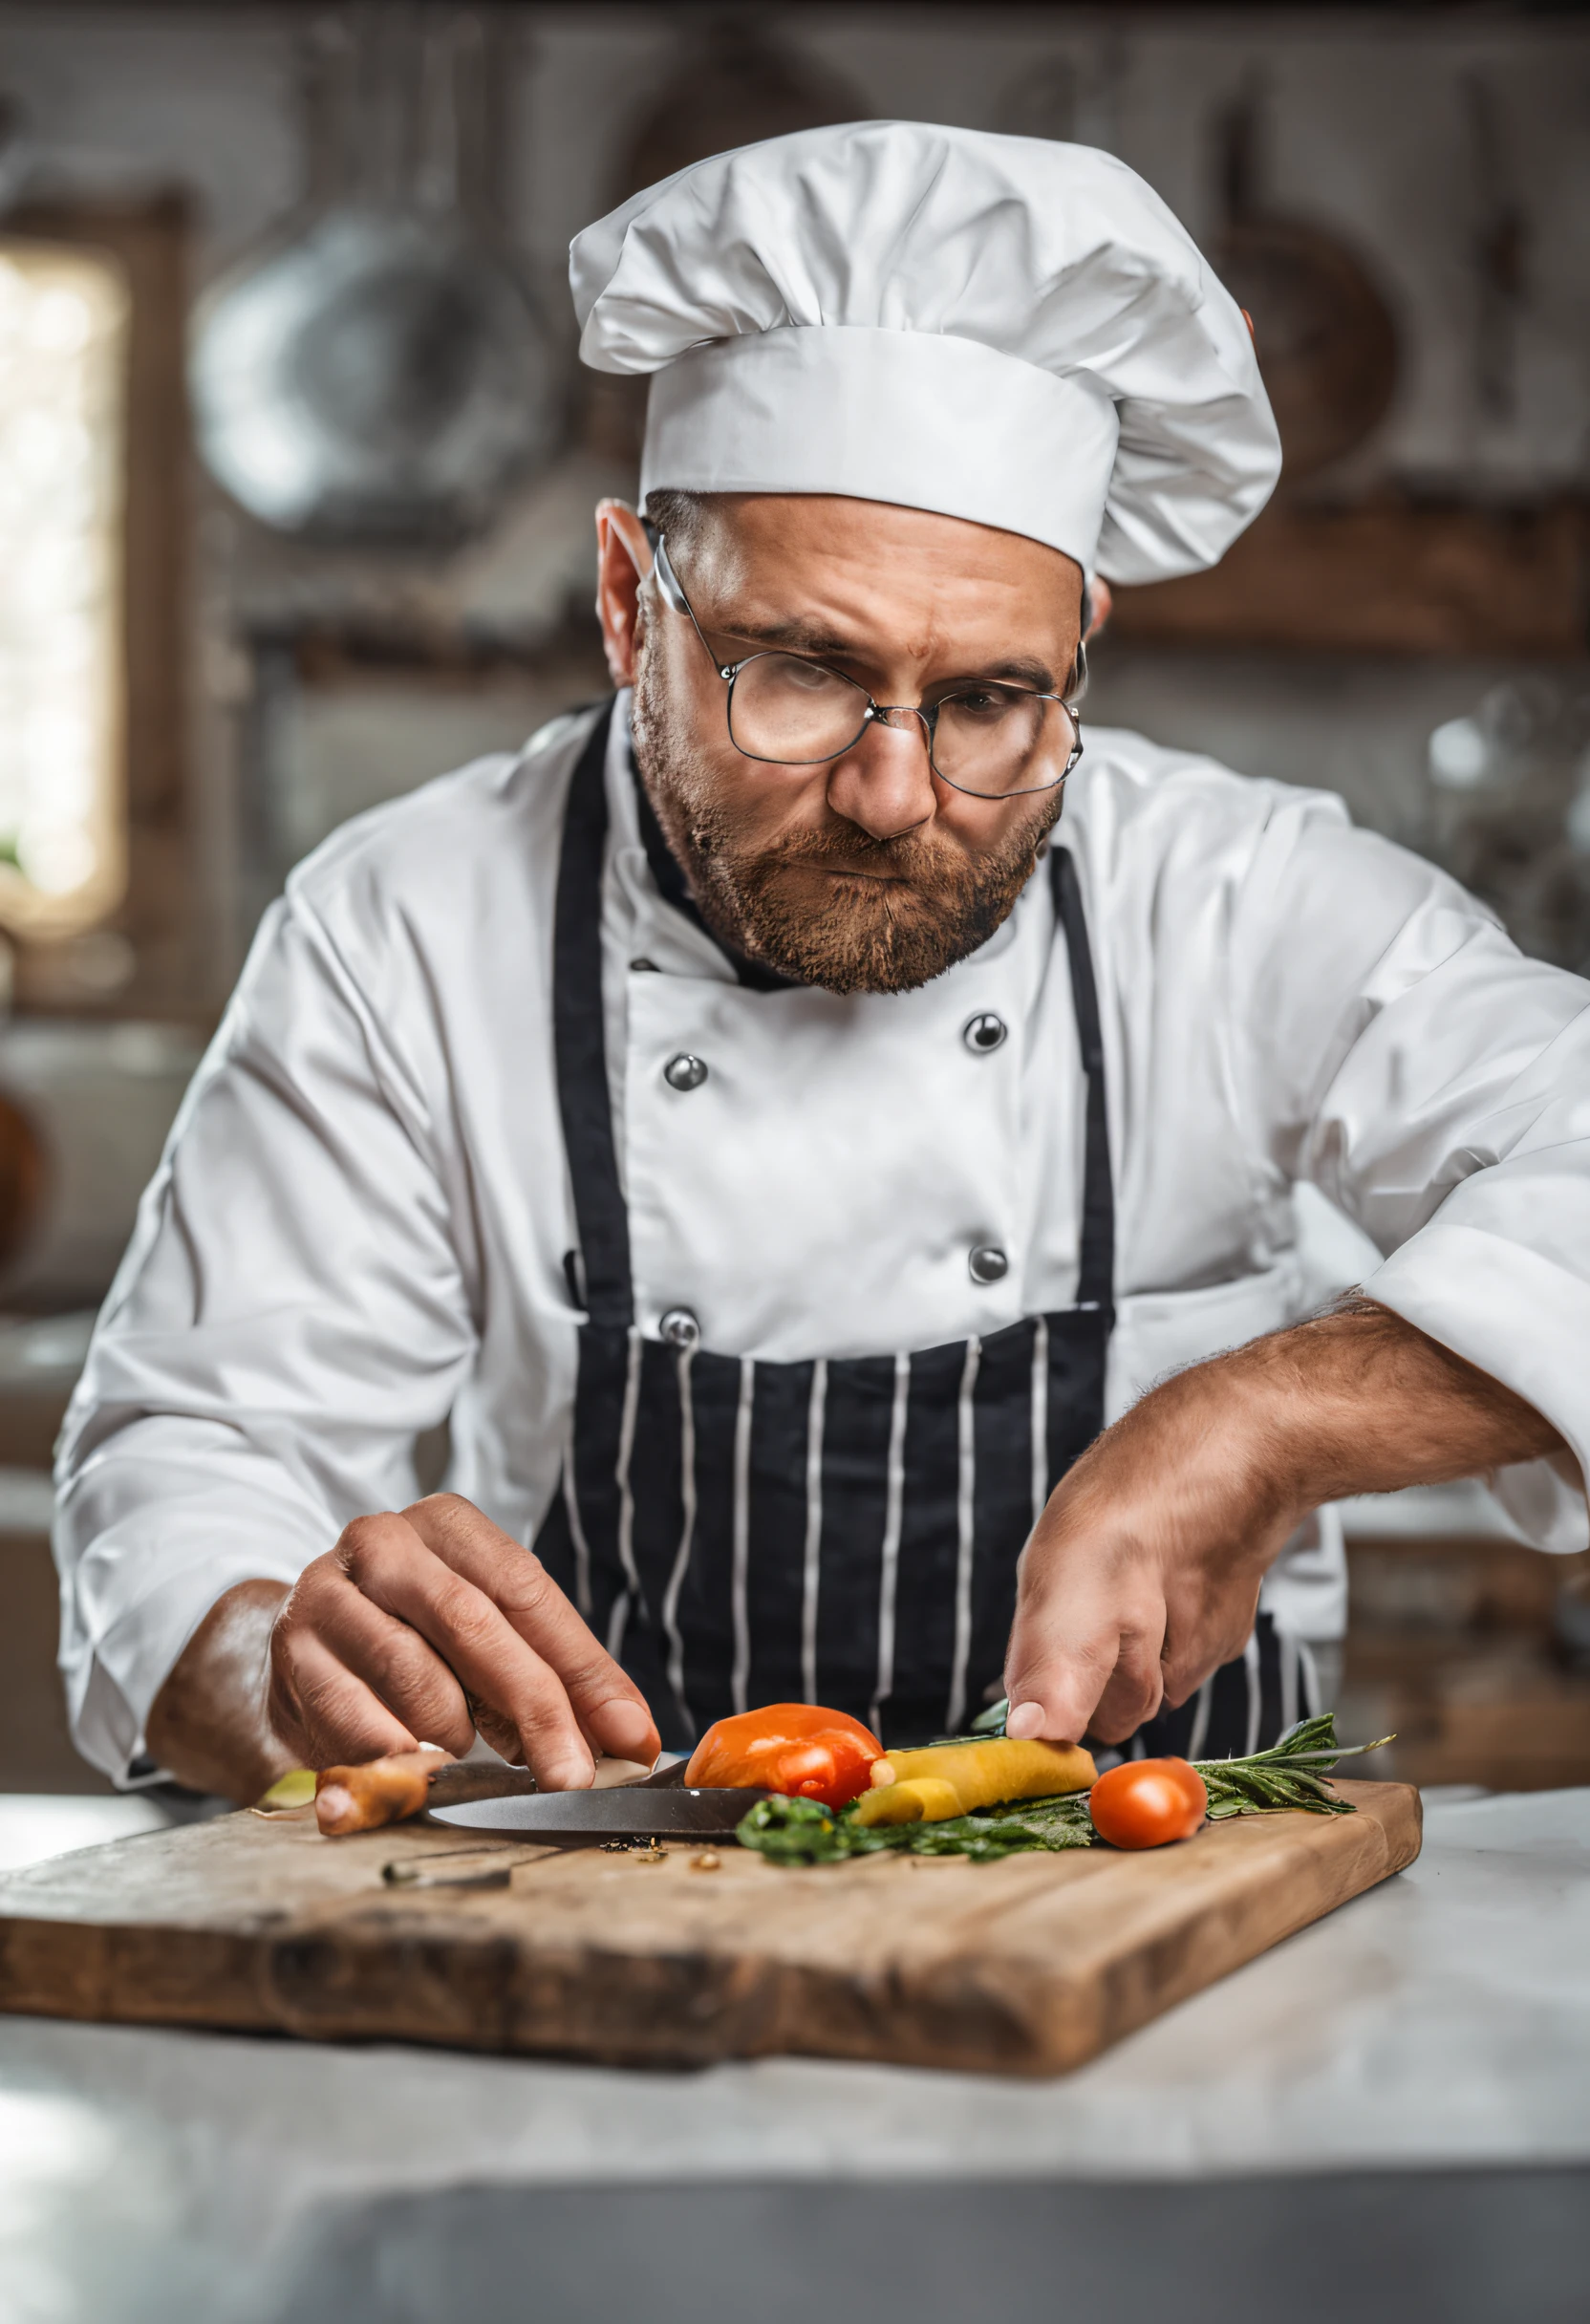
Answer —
(650, 1810)
(459, 1782)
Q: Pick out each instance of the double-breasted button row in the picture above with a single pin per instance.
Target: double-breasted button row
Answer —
(981, 1034)
(987, 1263)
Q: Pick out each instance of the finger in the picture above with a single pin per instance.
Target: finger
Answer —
(1084, 1644)
(500, 1733)
(1135, 1689)
(399, 1667)
(392, 1566)
(1200, 1636)
(1054, 1685)
(319, 1708)
(607, 1703)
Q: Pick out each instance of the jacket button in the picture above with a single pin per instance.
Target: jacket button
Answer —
(679, 1329)
(685, 1071)
(987, 1263)
(982, 1033)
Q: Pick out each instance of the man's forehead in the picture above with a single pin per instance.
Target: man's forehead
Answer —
(848, 528)
(817, 573)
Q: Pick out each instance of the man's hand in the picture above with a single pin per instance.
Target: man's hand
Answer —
(1143, 1574)
(432, 1626)
(427, 1627)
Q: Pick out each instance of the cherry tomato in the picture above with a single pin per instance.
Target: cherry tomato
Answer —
(796, 1748)
(1143, 1802)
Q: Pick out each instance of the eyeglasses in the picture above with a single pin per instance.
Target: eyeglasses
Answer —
(990, 740)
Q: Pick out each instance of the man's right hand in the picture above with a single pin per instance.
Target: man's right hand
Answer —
(433, 1625)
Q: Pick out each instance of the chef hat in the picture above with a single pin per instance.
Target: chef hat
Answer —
(997, 328)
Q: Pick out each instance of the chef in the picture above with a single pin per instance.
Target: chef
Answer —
(821, 1127)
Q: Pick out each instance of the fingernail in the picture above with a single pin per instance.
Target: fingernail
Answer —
(628, 1729)
(1024, 1723)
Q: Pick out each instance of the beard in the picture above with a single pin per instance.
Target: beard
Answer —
(923, 905)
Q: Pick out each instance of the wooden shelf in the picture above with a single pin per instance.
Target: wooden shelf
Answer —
(1389, 577)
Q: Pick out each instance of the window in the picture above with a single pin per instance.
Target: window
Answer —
(64, 317)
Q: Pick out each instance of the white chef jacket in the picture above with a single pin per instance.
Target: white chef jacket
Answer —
(360, 1224)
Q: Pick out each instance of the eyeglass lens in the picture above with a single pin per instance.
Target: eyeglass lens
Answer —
(990, 739)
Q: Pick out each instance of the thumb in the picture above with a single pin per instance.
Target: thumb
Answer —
(1054, 1676)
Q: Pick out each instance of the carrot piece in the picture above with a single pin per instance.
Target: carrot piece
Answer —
(382, 1790)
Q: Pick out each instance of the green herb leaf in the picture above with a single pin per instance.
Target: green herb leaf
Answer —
(992, 1721)
(800, 1832)
(1291, 1777)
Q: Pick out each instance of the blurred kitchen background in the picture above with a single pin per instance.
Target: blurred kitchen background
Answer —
(296, 470)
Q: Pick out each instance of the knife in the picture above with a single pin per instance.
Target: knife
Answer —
(660, 1806)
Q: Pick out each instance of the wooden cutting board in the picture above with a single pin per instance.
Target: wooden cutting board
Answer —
(1029, 1965)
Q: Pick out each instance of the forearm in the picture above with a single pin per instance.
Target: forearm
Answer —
(1359, 1401)
(1143, 1573)
(209, 1724)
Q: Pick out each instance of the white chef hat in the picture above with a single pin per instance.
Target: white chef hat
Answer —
(997, 328)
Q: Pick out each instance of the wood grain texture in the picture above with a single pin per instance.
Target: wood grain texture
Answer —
(1026, 1967)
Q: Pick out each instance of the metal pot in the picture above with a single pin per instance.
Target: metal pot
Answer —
(378, 370)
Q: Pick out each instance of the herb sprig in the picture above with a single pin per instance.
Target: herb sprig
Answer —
(1291, 1777)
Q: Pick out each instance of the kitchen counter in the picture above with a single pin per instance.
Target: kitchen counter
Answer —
(1407, 2082)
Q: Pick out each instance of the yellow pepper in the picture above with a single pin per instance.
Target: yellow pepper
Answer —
(925, 1800)
(958, 1778)
(293, 1790)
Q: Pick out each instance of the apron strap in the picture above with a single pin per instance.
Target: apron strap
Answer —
(1096, 1270)
(606, 1292)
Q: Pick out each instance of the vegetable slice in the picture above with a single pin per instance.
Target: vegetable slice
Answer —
(796, 1748)
(947, 1779)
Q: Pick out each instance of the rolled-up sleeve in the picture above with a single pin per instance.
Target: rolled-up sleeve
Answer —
(1436, 1085)
(294, 1309)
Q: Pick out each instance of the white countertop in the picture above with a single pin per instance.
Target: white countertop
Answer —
(1442, 2020)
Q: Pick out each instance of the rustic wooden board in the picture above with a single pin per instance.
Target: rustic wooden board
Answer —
(1025, 1967)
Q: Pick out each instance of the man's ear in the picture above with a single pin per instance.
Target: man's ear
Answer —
(623, 561)
(1097, 606)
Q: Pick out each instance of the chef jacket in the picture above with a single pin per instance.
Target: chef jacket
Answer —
(360, 1225)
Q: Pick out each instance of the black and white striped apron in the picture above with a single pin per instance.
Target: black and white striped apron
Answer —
(842, 1531)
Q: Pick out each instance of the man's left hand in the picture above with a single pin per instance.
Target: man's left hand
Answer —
(1142, 1576)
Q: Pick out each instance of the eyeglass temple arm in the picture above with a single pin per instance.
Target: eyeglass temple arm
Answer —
(673, 595)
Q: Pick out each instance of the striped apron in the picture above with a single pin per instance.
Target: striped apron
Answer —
(842, 1531)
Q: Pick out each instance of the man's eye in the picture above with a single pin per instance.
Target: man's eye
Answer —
(983, 703)
(802, 677)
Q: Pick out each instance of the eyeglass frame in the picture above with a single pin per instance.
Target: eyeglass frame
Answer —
(875, 714)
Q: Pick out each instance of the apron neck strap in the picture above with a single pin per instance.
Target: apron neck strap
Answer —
(1096, 1268)
(579, 1045)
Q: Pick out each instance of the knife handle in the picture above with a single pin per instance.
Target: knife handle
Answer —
(461, 1780)
(407, 1783)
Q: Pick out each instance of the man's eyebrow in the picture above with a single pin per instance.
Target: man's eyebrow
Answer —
(799, 637)
(796, 636)
(1020, 673)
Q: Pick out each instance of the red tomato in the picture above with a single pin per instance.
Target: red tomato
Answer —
(796, 1748)
(1143, 1802)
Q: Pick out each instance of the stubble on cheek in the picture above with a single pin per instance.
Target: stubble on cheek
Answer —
(924, 904)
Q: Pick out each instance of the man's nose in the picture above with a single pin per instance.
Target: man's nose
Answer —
(884, 782)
